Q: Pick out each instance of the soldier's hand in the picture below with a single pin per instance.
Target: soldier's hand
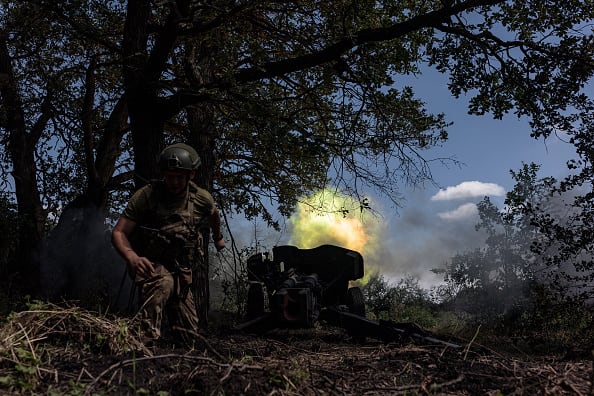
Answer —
(219, 245)
(141, 266)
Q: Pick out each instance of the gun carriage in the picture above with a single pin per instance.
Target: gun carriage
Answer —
(293, 287)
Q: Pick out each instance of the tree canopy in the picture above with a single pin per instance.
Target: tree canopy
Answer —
(506, 262)
(279, 98)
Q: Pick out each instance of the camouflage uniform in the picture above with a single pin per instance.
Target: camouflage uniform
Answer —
(168, 233)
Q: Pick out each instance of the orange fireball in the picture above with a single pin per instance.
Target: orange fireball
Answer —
(330, 218)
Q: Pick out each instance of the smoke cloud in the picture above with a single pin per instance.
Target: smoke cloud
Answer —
(79, 263)
(461, 212)
(408, 245)
(329, 218)
(420, 240)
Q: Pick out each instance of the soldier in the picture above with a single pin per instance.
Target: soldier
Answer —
(158, 235)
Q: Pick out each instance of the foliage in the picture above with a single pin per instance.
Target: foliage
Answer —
(508, 285)
(304, 98)
(549, 323)
(229, 275)
(541, 322)
(49, 62)
(405, 301)
(379, 295)
(501, 268)
(566, 242)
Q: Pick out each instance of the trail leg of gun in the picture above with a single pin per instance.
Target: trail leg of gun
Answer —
(359, 325)
(386, 331)
(260, 324)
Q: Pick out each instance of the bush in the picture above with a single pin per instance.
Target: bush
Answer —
(405, 301)
(536, 321)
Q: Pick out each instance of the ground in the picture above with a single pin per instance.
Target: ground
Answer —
(58, 351)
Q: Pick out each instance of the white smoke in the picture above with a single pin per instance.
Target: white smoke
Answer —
(78, 262)
(420, 240)
(461, 212)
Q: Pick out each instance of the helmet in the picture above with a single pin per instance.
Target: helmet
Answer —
(179, 156)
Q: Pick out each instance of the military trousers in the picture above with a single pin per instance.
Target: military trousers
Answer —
(161, 295)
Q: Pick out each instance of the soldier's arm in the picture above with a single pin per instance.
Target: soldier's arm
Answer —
(136, 265)
(215, 225)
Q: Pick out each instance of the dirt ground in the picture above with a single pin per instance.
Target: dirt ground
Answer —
(70, 352)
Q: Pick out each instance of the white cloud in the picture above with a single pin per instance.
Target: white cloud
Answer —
(461, 212)
(468, 189)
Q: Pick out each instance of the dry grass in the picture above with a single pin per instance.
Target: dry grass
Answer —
(70, 326)
(54, 350)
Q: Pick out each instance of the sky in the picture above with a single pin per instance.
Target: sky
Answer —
(437, 221)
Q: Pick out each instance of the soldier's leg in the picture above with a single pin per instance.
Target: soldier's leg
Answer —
(154, 294)
(182, 314)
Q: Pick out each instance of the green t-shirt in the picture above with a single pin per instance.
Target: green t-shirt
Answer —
(155, 210)
(152, 204)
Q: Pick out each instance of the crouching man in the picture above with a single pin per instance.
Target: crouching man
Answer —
(158, 235)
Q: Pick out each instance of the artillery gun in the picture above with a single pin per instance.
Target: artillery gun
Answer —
(293, 287)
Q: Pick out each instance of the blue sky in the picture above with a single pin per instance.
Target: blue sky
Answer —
(437, 222)
(488, 147)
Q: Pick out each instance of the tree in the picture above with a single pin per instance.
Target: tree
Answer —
(499, 275)
(290, 96)
(404, 300)
(567, 241)
(49, 109)
(379, 295)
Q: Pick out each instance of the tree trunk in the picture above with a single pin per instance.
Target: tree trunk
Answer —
(77, 260)
(141, 76)
(22, 144)
(202, 137)
(200, 122)
(147, 139)
(30, 213)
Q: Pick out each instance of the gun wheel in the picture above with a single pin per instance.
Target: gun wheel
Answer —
(255, 300)
(356, 301)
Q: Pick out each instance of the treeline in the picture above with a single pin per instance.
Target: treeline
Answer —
(521, 285)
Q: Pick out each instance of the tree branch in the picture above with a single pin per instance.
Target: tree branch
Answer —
(87, 121)
(332, 52)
